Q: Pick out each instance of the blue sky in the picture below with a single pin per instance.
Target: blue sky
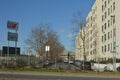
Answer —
(31, 13)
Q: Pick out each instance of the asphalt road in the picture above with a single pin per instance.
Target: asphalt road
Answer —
(53, 77)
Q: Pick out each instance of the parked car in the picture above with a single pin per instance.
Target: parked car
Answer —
(40, 64)
(77, 63)
(71, 62)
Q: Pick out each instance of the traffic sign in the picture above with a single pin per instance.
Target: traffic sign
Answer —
(116, 45)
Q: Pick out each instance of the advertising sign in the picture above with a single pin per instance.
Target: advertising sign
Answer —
(12, 36)
(12, 25)
(11, 50)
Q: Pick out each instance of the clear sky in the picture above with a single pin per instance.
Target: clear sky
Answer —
(30, 13)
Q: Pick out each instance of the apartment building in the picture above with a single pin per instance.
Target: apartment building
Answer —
(102, 31)
(110, 28)
(89, 38)
(79, 47)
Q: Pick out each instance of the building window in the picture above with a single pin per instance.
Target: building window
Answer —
(108, 11)
(108, 35)
(111, 46)
(105, 59)
(90, 45)
(105, 48)
(105, 37)
(102, 17)
(91, 17)
(108, 1)
(91, 32)
(105, 25)
(108, 47)
(102, 8)
(105, 14)
(102, 49)
(91, 24)
(113, 19)
(91, 52)
(102, 38)
(108, 23)
(113, 6)
(102, 28)
(105, 4)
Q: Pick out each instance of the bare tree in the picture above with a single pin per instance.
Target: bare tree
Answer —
(79, 27)
(42, 36)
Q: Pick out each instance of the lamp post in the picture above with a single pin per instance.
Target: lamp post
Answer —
(114, 43)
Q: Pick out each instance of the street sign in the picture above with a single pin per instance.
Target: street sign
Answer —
(116, 45)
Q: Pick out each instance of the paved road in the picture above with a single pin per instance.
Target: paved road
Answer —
(53, 77)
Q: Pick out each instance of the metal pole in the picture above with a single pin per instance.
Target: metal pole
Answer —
(1, 53)
(114, 44)
(15, 50)
(7, 56)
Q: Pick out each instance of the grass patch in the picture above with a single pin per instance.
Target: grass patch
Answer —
(32, 69)
(78, 72)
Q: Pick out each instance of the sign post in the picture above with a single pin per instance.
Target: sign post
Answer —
(47, 49)
(12, 36)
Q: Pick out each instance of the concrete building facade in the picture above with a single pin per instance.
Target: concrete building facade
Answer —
(102, 30)
(79, 47)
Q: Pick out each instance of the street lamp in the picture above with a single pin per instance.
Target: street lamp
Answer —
(114, 43)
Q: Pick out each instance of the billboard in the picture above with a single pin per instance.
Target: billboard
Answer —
(12, 25)
(11, 50)
(12, 36)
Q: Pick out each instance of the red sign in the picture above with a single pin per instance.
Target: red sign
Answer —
(12, 25)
